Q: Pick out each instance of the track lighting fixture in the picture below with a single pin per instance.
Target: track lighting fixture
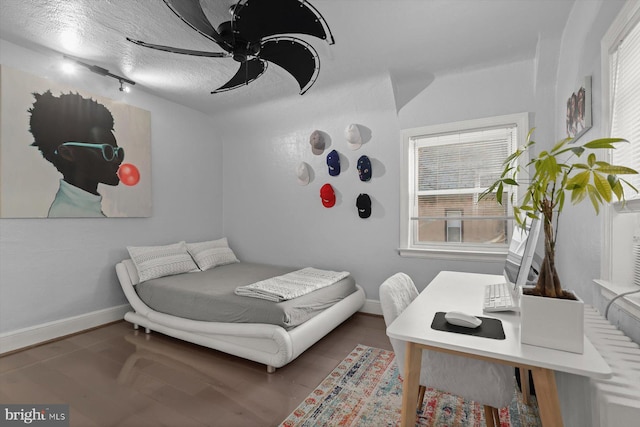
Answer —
(123, 88)
(104, 72)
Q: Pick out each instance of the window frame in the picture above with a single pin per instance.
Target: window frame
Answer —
(628, 16)
(467, 251)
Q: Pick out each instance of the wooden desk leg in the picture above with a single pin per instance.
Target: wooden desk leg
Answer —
(547, 395)
(410, 385)
(524, 384)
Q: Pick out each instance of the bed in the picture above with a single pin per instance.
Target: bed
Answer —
(268, 338)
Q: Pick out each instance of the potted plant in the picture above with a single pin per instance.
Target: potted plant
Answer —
(545, 182)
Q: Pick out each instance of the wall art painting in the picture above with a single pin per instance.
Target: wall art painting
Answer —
(68, 153)
(579, 118)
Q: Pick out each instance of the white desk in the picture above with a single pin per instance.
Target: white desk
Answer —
(464, 292)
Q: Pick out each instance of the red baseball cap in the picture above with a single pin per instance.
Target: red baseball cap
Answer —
(328, 196)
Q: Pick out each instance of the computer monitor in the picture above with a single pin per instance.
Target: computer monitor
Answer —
(521, 250)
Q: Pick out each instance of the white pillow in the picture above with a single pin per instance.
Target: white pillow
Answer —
(212, 253)
(159, 261)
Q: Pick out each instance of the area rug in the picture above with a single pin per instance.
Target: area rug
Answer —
(366, 390)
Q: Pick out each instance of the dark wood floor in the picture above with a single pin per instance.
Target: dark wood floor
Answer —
(115, 376)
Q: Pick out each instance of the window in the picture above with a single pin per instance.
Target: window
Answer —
(445, 169)
(624, 102)
(621, 88)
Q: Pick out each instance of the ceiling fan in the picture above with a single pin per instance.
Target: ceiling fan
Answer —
(256, 35)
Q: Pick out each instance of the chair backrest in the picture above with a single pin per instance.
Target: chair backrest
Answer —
(396, 293)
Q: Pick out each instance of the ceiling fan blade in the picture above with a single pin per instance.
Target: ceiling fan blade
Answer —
(180, 51)
(192, 14)
(257, 19)
(248, 72)
(296, 56)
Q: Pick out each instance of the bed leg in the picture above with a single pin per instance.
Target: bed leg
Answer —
(270, 369)
(147, 330)
(135, 326)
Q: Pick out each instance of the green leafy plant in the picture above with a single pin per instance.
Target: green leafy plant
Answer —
(556, 173)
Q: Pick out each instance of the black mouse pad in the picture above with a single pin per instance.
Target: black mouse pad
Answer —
(489, 328)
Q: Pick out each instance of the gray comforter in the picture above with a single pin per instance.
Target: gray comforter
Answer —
(209, 296)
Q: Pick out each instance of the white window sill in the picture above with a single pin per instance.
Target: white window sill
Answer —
(629, 303)
(454, 254)
(630, 206)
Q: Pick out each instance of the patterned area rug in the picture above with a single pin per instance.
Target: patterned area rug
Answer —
(366, 390)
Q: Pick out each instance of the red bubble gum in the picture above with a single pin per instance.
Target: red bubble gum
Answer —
(128, 174)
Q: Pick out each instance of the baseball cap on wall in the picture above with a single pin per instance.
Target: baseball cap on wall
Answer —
(328, 196)
(333, 162)
(352, 134)
(317, 142)
(364, 168)
(303, 173)
(363, 203)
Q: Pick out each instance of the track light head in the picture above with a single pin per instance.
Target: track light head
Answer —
(123, 88)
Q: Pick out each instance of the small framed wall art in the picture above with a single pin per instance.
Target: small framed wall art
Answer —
(579, 117)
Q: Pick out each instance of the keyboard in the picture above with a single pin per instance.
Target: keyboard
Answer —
(498, 297)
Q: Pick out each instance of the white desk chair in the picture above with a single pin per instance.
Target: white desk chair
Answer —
(489, 384)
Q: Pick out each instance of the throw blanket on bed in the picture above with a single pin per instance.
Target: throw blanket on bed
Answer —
(291, 285)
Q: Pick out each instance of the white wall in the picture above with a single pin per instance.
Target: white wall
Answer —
(273, 219)
(579, 232)
(580, 227)
(492, 91)
(53, 269)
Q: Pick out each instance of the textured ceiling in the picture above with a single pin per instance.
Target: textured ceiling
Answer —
(409, 38)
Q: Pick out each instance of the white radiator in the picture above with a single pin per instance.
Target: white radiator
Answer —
(614, 402)
(636, 259)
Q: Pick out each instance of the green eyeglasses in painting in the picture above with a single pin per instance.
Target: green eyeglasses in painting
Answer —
(109, 152)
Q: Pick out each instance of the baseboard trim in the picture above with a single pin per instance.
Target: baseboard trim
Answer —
(15, 340)
(26, 337)
(371, 307)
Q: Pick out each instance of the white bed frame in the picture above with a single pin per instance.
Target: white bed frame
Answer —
(263, 343)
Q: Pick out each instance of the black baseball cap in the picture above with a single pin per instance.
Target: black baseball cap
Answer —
(363, 203)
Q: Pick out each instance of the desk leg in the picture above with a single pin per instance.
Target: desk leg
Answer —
(411, 383)
(524, 384)
(547, 395)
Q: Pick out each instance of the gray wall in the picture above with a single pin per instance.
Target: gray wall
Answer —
(579, 226)
(580, 232)
(52, 269)
(274, 219)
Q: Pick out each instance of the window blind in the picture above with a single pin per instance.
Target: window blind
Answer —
(466, 162)
(625, 105)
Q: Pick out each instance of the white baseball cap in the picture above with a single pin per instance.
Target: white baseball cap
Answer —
(303, 173)
(352, 134)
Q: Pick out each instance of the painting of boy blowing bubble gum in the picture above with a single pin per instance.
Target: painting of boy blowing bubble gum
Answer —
(78, 138)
